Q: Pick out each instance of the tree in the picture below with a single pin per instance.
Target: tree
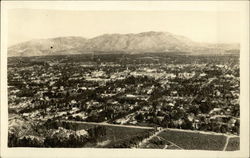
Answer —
(187, 124)
(193, 109)
(205, 108)
(224, 129)
(139, 117)
(166, 120)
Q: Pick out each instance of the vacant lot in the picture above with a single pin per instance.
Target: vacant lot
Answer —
(113, 133)
(194, 141)
(233, 144)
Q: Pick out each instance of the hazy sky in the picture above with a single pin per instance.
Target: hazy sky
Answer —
(27, 24)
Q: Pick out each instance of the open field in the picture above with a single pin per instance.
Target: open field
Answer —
(122, 136)
(233, 144)
(198, 141)
(113, 132)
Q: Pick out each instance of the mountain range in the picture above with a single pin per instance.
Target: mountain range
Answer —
(152, 42)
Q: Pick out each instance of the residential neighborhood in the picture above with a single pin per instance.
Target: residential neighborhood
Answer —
(181, 92)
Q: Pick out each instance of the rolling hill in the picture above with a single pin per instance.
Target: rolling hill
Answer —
(128, 43)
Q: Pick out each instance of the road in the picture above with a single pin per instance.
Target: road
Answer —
(145, 127)
(144, 141)
(201, 132)
(172, 144)
(107, 124)
(225, 147)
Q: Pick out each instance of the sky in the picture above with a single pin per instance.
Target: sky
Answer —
(200, 26)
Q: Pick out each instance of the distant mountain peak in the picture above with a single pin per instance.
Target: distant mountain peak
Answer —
(151, 33)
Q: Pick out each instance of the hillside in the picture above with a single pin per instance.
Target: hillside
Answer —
(52, 46)
(130, 43)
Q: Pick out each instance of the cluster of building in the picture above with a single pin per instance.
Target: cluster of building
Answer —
(189, 96)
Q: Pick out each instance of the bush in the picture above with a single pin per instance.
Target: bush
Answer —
(65, 138)
(26, 141)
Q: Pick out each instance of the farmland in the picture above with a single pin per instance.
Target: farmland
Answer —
(233, 144)
(192, 140)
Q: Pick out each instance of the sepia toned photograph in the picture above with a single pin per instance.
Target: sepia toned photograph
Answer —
(124, 79)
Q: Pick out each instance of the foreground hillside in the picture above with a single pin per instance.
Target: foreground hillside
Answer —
(127, 43)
